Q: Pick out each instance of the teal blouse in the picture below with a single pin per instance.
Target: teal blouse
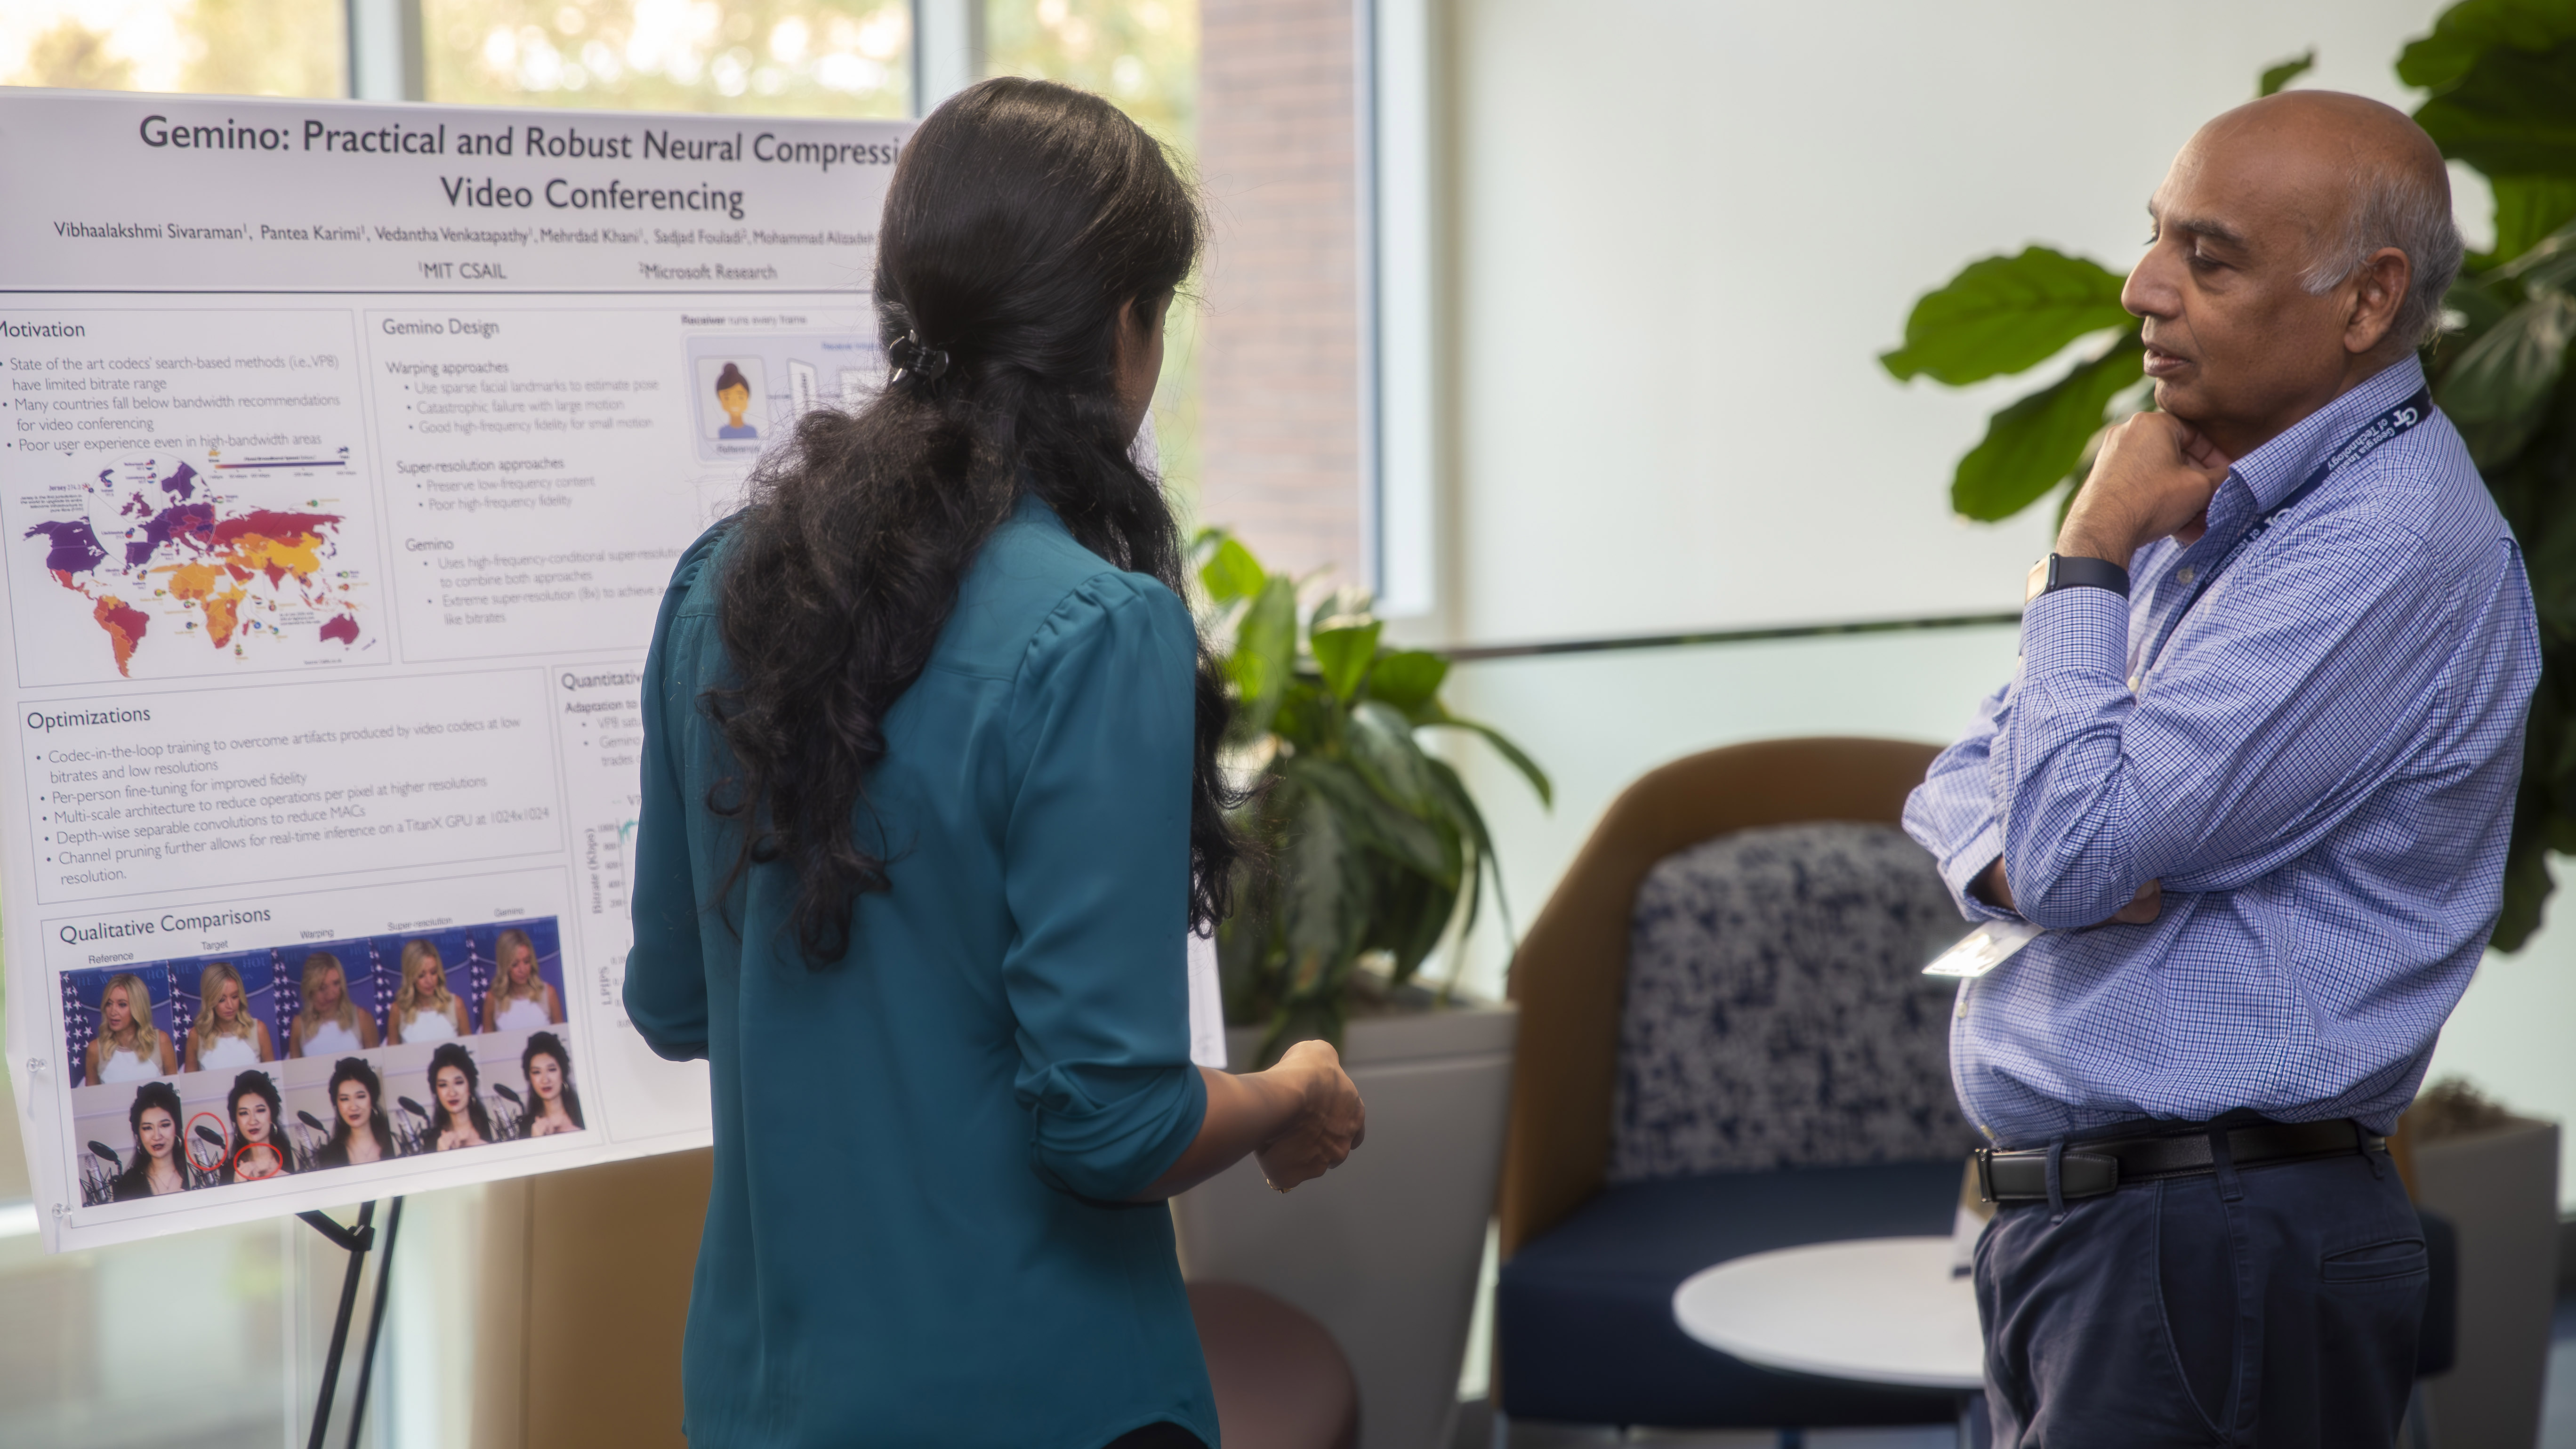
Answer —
(917, 1233)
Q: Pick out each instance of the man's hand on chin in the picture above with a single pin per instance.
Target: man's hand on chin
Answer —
(2154, 476)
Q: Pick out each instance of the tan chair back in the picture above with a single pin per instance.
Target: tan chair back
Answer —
(1573, 963)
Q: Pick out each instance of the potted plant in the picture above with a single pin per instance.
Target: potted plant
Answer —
(2502, 100)
(1370, 849)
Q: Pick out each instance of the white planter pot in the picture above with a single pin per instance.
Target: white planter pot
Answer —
(1383, 1250)
(2499, 1188)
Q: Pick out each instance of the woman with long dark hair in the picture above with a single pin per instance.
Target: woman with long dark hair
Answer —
(359, 1132)
(931, 797)
(258, 1147)
(554, 1104)
(455, 1086)
(157, 1168)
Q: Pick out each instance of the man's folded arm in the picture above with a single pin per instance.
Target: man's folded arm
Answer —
(1952, 813)
(2238, 753)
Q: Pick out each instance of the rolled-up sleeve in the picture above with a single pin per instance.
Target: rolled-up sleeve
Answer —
(1096, 873)
(1952, 813)
(666, 980)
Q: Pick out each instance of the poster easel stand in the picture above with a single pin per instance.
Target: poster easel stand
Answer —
(357, 1240)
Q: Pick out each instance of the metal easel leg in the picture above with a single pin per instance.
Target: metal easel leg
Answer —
(375, 1323)
(356, 1240)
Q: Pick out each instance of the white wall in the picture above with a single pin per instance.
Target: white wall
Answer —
(1683, 231)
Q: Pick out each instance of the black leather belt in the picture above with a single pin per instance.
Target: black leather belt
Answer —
(2090, 1169)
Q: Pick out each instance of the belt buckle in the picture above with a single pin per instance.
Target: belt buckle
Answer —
(1983, 1160)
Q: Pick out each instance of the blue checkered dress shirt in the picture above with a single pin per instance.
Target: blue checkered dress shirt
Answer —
(2319, 767)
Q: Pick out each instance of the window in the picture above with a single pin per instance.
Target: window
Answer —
(1144, 56)
(765, 57)
(229, 47)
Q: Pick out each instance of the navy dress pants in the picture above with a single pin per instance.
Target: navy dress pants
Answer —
(2274, 1306)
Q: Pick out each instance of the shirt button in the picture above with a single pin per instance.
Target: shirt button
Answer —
(2133, 683)
(2183, 575)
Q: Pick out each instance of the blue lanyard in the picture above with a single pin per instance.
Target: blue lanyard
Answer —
(2366, 440)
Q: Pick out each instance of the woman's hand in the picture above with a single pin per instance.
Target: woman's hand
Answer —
(1301, 1118)
(1330, 1123)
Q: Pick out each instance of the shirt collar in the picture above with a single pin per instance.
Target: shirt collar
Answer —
(2272, 471)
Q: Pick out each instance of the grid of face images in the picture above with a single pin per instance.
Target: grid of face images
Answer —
(213, 1071)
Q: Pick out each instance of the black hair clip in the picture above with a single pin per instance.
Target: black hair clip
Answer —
(910, 356)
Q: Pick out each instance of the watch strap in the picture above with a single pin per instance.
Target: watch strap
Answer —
(2079, 572)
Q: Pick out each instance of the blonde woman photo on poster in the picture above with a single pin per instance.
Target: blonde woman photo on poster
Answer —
(359, 1132)
(128, 1047)
(553, 1105)
(259, 1150)
(226, 1036)
(457, 1118)
(155, 1169)
(521, 999)
(425, 1010)
(330, 1023)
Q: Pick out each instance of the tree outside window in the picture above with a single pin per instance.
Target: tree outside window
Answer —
(1144, 56)
(744, 57)
(223, 47)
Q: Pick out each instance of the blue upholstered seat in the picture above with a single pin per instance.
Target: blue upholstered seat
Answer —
(1783, 1079)
(1586, 1311)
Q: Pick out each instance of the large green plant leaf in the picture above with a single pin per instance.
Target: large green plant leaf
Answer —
(1232, 573)
(2276, 76)
(1370, 820)
(1510, 752)
(1344, 655)
(2548, 262)
(2438, 61)
(1381, 741)
(2527, 210)
(2037, 441)
(1408, 679)
(1265, 653)
(2498, 392)
(1412, 914)
(2552, 570)
(2510, 114)
(2005, 314)
(1325, 904)
(1480, 849)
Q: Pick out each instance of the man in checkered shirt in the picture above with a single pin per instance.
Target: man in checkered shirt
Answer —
(2254, 776)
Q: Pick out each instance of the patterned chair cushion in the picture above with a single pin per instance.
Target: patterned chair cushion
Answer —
(1776, 1012)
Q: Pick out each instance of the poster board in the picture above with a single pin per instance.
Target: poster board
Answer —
(350, 448)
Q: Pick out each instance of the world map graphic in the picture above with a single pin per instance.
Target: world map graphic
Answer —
(184, 561)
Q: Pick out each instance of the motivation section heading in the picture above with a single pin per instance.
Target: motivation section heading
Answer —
(161, 193)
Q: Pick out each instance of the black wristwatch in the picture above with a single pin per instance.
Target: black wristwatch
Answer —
(2059, 571)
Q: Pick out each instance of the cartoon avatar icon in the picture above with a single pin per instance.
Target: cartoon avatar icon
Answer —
(733, 394)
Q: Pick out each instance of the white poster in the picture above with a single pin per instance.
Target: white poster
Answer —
(349, 449)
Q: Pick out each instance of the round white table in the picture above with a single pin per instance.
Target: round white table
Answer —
(1874, 1310)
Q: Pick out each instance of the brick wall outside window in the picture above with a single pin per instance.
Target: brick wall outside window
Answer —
(1279, 347)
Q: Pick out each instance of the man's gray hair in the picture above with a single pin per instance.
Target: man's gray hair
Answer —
(2392, 207)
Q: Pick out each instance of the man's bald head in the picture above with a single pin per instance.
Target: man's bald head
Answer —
(2360, 175)
(2303, 243)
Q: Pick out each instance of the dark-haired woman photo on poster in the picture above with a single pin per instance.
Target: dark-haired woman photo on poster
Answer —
(553, 1105)
(156, 1168)
(457, 1117)
(258, 1148)
(359, 1131)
